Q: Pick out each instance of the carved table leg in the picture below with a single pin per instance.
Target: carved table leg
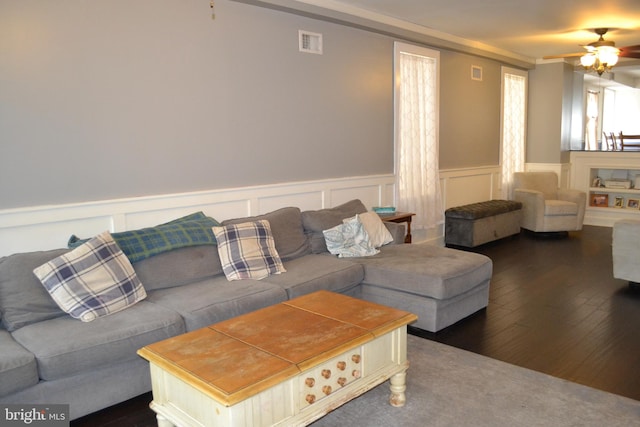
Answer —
(398, 386)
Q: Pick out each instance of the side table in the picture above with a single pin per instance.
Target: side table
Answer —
(399, 217)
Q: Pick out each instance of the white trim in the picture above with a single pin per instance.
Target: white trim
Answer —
(48, 227)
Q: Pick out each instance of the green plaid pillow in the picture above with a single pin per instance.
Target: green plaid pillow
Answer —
(191, 230)
(93, 280)
(248, 251)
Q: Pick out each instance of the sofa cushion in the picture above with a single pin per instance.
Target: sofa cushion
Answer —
(426, 270)
(23, 299)
(213, 300)
(179, 267)
(349, 239)
(315, 222)
(286, 228)
(63, 346)
(18, 369)
(316, 272)
(93, 280)
(247, 250)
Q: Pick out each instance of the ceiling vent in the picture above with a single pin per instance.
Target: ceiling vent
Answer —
(310, 42)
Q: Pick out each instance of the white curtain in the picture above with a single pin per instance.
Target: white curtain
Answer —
(417, 145)
(590, 133)
(514, 101)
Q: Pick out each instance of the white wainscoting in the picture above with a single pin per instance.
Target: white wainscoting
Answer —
(470, 185)
(49, 227)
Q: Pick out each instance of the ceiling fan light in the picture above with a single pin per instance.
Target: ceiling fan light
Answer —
(608, 55)
(610, 60)
(588, 60)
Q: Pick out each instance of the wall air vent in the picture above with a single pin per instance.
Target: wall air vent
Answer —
(476, 72)
(310, 42)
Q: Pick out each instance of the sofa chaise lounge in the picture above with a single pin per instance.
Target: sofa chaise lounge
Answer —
(48, 357)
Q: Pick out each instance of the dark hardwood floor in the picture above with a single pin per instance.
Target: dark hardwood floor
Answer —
(554, 307)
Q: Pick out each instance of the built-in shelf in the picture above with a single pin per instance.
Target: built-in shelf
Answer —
(605, 205)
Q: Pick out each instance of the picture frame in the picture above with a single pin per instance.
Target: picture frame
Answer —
(633, 203)
(619, 202)
(599, 200)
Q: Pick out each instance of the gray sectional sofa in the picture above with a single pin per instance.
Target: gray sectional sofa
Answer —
(48, 357)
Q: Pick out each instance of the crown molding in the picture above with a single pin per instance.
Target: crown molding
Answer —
(344, 14)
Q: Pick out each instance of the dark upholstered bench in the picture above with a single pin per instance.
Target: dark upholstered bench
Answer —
(483, 222)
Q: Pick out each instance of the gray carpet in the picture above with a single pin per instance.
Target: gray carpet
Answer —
(452, 387)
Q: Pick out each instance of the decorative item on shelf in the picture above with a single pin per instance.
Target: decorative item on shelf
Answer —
(384, 210)
(597, 182)
(599, 200)
(624, 184)
(633, 203)
(619, 202)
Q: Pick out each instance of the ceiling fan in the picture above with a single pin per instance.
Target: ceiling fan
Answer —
(602, 54)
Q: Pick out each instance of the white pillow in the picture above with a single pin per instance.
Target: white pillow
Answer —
(93, 280)
(378, 233)
(349, 239)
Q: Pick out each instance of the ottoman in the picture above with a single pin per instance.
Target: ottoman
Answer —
(483, 222)
(440, 285)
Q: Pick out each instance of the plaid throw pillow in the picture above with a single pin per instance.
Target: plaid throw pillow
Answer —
(248, 251)
(93, 280)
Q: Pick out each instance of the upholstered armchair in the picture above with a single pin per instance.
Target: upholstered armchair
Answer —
(545, 207)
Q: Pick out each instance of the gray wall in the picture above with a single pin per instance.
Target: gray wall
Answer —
(552, 109)
(124, 98)
(469, 112)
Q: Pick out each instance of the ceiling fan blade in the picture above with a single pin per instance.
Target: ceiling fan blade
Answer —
(566, 55)
(626, 48)
(630, 55)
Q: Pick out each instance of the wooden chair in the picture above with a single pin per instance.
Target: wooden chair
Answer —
(609, 141)
(632, 144)
(614, 142)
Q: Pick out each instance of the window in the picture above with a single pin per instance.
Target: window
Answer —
(513, 126)
(416, 134)
(591, 126)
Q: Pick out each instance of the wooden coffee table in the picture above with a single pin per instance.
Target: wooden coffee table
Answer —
(288, 364)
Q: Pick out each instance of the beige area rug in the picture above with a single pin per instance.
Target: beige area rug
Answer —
(452, 387)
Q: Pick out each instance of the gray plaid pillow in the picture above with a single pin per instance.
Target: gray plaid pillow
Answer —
(93, 280)
(248, 251)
